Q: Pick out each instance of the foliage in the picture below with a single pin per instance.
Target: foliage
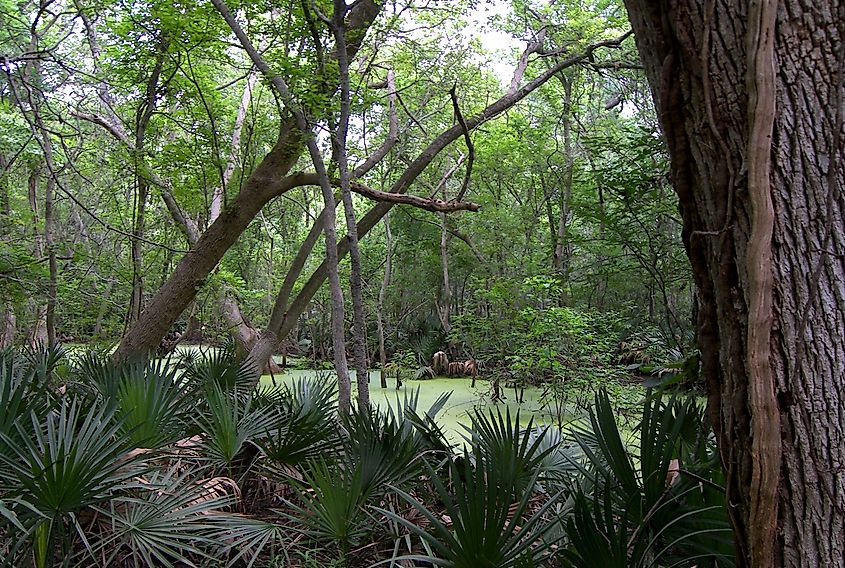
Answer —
(306, 428)
(151, 401)
(573, 263)
(75, 484)
(72, 461)
(646, 509)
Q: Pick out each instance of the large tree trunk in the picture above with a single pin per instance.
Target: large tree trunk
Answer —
(190, 274)
(750, 99)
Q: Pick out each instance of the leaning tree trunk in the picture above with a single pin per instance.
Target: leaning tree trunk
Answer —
(750, 98)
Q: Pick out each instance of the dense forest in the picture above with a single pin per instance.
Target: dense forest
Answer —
(243, 243)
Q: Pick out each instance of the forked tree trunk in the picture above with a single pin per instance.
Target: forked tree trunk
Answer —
(750, 99)
(263, 184)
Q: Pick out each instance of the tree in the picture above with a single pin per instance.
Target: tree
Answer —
(269, 180)
(750, 98)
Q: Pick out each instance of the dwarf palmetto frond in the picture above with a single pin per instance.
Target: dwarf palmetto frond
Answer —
(72, 461)
(172, 518)
(152, 403)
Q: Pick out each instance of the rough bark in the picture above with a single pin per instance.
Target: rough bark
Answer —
(770, 331)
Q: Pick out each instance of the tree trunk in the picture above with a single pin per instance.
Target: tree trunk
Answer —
(101, 313)
(136, 299)
(359, 344)
(38, 332)
(218, 197)
(445, 305)
(385, 282)
(49, 235)
(243, 334)
(750, 98)
(142, 184)
(192, 270)
(265, 183)
(563, 251)
(7, 337)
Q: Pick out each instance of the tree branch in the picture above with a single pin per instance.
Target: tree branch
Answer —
(470, 146)
(392, 131)
(427, 203)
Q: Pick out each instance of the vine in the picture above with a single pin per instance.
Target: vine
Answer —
(765, 419)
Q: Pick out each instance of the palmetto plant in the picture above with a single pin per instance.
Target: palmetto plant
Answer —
(24, 390)
(73, 487)
(172, 519)
(90, 476)
(307, 426)
(222, 367)
(629, 511)
(153, 404)
(517, 452)
(231, 424)
(56, 467)
(379, 449)
(492, 515)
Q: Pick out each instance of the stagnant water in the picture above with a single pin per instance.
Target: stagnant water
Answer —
(461, 404)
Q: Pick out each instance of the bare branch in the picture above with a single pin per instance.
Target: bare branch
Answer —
(429, 204)
(116, 130)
